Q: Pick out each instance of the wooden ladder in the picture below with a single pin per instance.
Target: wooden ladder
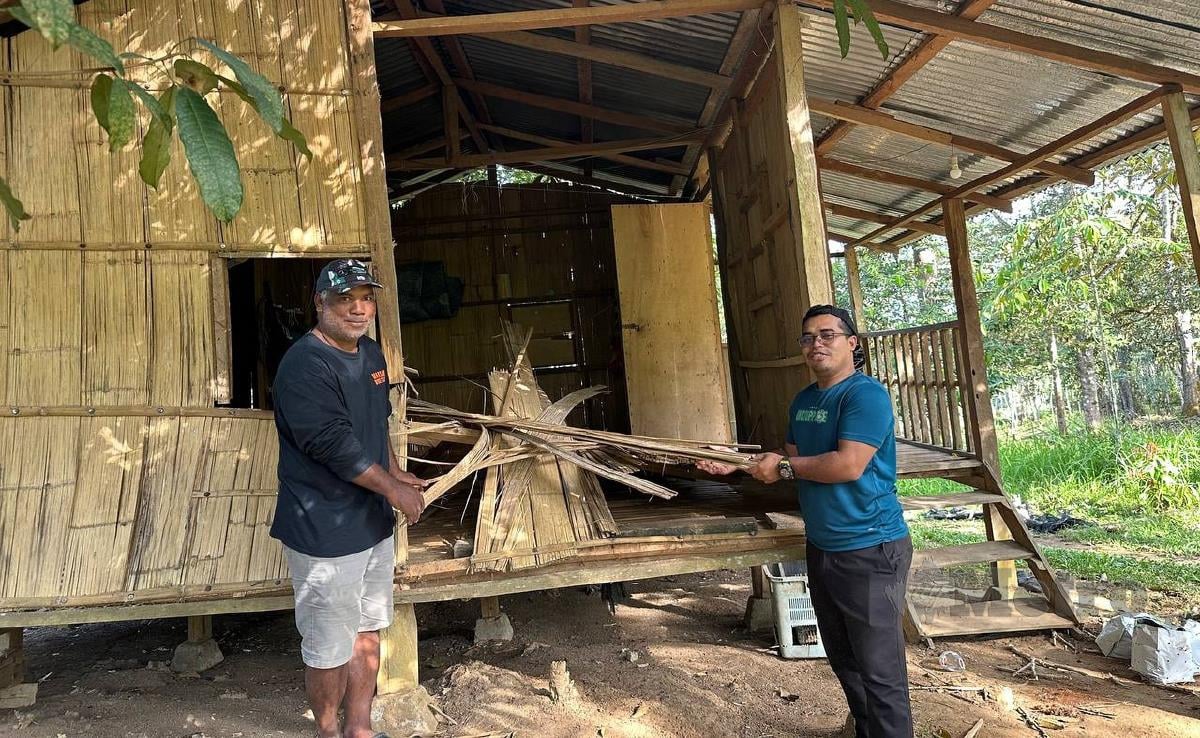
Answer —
(1053, 610)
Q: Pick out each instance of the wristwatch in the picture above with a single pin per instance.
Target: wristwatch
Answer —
(785, 469)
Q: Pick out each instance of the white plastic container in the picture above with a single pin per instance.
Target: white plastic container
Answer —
(795, 620)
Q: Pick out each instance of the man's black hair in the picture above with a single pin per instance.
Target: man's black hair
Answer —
(842, 315)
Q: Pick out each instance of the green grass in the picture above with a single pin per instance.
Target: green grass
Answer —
(1140, 486)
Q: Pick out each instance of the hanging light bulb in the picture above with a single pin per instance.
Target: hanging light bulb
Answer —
(955, 170)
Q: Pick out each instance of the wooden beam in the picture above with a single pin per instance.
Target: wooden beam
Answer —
(961, 29)
(1030, 161)
(459, 56)
(555, 142)
(529, 20)
(878, 119)
(408, 98)
(569, 151)
(1178, 122)
(562, 171)
(854, 282)
(614, 57)
(622, 118)
(901, 73)
(826, 163)
(870, 216)
(450, 123)
(420, 148)
(802, 194)
(583, 69)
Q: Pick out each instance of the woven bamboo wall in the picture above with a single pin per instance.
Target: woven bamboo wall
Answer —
(521, 243)
(754, 178)
(119, 479)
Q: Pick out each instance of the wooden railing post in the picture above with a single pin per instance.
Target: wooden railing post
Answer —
(978, 400)
(1187, 165)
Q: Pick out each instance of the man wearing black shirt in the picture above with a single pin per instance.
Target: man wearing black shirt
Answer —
(338, 484)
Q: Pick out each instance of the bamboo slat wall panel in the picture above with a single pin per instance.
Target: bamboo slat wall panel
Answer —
(109, 301)
(761, 260)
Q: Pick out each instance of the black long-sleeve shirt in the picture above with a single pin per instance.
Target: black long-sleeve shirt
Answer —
(331, 411)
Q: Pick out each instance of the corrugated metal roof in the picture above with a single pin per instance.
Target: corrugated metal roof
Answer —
(1017, 101)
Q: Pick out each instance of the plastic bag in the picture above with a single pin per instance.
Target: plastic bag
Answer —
(1162, 655)
(1116, 637)
(1192, 628)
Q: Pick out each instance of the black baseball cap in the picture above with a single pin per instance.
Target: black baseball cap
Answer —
(343, 275)
(840, 313)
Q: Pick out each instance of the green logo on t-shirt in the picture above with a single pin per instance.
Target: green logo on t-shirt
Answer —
(812, 415)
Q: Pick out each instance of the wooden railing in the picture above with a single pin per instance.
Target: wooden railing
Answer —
(924, 372)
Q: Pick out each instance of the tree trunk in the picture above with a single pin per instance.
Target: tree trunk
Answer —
(1060, 402)
(1187, 363)
(1089, 385)
(1127, 404)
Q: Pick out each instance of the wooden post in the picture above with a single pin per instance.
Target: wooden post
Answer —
(489, 607)
(1178, 122)
(12, 657)
(737, 375)
(199, 628)
(854, 282)
(450, 123)
(807, 221)
(759, 585)
(979, 402)
(398, 643)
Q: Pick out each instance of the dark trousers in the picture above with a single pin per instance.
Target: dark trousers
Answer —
(858, 597)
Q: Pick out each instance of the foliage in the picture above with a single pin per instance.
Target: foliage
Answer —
(842, 10)
(181, 107)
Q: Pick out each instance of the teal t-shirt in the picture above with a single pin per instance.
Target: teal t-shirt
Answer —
(848, 515)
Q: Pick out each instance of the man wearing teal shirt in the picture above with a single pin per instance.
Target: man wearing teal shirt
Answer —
(841, 450)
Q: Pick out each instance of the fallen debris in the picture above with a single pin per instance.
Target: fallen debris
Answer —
(974, 731)
(562, 688)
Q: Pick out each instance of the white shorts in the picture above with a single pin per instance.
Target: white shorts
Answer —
(338, 598)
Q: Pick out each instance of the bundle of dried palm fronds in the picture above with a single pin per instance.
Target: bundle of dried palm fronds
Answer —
(540, 493)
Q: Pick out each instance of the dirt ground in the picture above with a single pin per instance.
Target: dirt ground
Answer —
(697, 673)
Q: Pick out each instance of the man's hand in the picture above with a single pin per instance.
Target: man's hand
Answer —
(410, 479)
(766, 468)
(715, 468)
(407, 499)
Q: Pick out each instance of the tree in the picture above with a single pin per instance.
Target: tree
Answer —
(180, 108)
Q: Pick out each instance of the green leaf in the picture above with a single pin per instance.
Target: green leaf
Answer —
(269, 104)
(89, 43)
(863, 13)
(14, 207)
(196, 75)
(52, 18)
(156, 146)
(152, 104)
(121, 115)
(841, 21)
(210, 154)
(288, 132)
(101, 89)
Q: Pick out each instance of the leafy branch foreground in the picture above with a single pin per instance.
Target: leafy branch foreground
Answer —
(181, 107)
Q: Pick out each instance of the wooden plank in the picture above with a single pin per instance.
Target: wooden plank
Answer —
(398, 658)
(614, 57)
(904, 71)
(667, 289)
(959, 421)
(403, 100)
(878, 119)
(825, 163)
(450, 124)
(961, 29)
(528, 20)
(952, 499)
(657, 166)
(222, 332)
(803, 190)
(870, 216)
(583, 68)
(971, 553)
(376, 210)
(567, 151)
(1187, 166)
(689, 527)
(1010, 616)
(633, 120)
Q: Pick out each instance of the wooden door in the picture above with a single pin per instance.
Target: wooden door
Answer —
(674, 363)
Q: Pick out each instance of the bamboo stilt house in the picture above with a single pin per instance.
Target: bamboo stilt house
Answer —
(138, 333)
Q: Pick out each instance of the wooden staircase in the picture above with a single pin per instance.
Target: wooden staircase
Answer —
(1053, 609)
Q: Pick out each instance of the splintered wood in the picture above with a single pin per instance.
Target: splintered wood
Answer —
(541, 496)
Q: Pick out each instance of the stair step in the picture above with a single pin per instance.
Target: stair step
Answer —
(971, 553)
(1008, 616)
(952, 499)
